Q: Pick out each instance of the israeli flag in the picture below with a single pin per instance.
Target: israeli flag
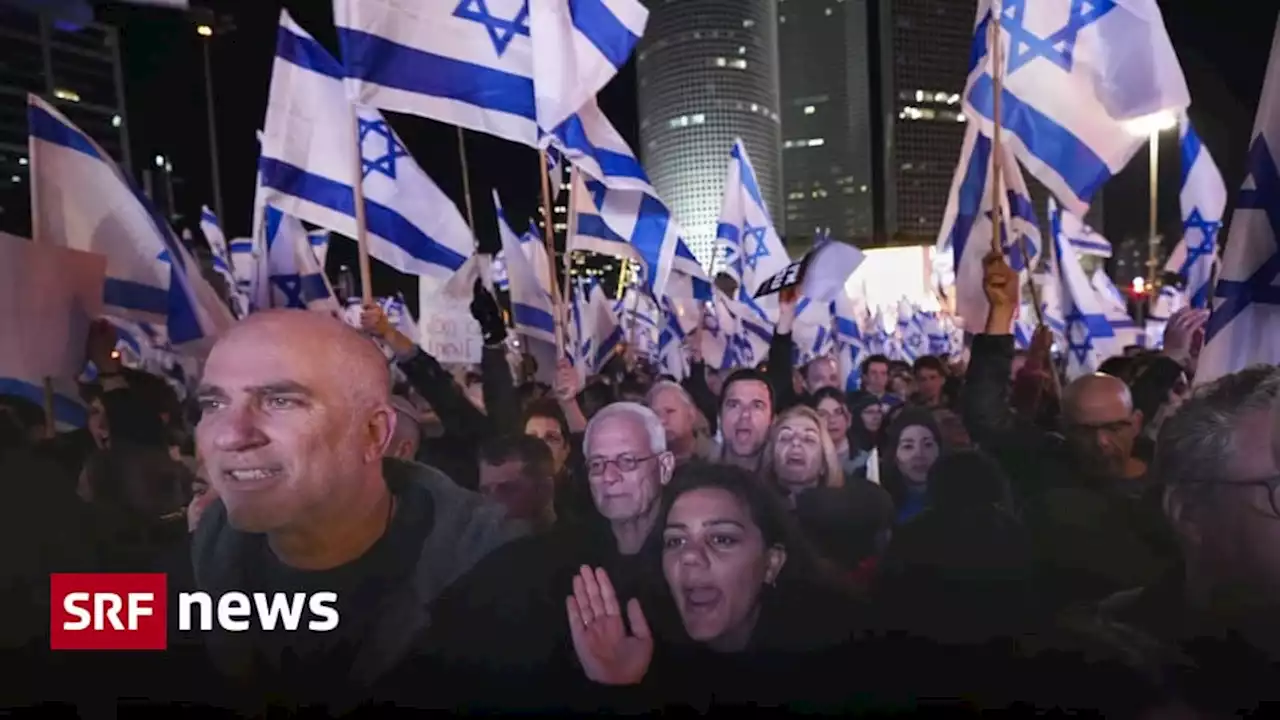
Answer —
(243, 264)
(1204, 202)
(1077, 73)
(1244, 327)
(967, 228)
(1084, 239)
(309, 161)
(600, 330)
(1116, 309)
(503, 67)
(1088, 333)
(850, 345)
(644, 245)
(222, 260)
(747, 245)
(681, 318)
(289, 275)
(319, 240)
(531, 246)
(618, 210)
(532, 309)
(82, 200)
(911, 333)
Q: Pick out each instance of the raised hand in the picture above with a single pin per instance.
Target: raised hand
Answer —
(999, 282)
(1184, 334)
(609, 655)
(373, 320)
(566, 388)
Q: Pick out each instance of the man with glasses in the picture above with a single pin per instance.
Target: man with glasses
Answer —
(1210, 623)
(504, 621)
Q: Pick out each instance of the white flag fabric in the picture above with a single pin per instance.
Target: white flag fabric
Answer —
(309, 160)
(1204, 202)
(222, 260)
(48, 297)
(1076, 74)
(1089, 337)
(82, 200)
(1244, 327)
(1080, 236)
(503, 67)
(531, 305)
(747, 244)
(289, 275)
(967, 229)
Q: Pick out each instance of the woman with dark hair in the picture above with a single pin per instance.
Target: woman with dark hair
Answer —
(761, 614)
(545, 420)
(866, 424)
(911, 446)
(838, 421)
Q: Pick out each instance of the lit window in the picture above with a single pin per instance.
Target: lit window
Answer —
(721, 62)
(817, 142)
(827, 12)
(697, 119)
(742, 49)
(68, 95)
(22, 161)
(755, 107)
(748, 23)
(116, 120)
(809, 109)
(782, 19)
(738, 64)
(919, 96)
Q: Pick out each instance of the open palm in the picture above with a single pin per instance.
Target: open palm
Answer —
(609, 655)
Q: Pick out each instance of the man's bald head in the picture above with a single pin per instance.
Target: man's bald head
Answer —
(353, 361)
(1089, 391)
(1101, 424)
(295, 419)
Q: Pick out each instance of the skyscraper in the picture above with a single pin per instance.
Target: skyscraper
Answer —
(76, 69)
(708, 74)
(871, 113)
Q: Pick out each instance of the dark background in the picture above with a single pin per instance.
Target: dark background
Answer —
(1223, 46)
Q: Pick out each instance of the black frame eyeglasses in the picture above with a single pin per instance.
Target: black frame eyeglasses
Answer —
(626, 463)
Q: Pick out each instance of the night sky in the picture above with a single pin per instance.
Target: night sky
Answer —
(1223, 47)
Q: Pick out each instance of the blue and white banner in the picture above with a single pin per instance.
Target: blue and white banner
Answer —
(309, 160)
(83, 201)
(1204, 202)
(1076, 75)
(1089, 336)
(748, 247)
(222, 260)
(502, 67)
(967, 228)
(289, 275)
(1084, 239)
(1244, 327)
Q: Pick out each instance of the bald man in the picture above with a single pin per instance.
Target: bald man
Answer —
(295, 422)
(1101, 426)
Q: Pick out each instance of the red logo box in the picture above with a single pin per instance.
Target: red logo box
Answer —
(108, 611)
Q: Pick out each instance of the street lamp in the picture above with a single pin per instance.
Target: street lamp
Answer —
(207, 26)
(1150, 126)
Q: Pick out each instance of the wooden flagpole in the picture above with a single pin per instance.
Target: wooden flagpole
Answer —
(362, 228)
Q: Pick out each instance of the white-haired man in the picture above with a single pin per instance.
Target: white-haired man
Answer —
(506, 618)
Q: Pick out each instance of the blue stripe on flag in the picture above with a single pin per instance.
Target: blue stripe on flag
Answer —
(242, 246)
(206, 215)
(377, 60)
(969, 202)
(65, 410)
(135, 296)
(725, 231)
(50, 129)
(533, 317)
(749, 179)
(612, 163)
(382, 220)
(595, 226)
(1055, 146)
(1190, 147)
(847, 327)
(599, 25)
(307, 54)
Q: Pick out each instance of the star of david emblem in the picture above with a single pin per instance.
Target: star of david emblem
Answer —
(291, 287)
(1081, 329)
(915, 341)
(501, 31)
(761, 249)
(391, 150)
(1058, 47)
(746, 354)
(1264, 196)
(1208, 232)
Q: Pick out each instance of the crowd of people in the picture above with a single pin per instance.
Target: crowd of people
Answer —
(958, 534)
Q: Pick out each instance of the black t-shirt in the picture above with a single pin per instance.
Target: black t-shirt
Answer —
(317, 666)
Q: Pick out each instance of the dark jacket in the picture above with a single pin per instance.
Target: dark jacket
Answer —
(439, 532)
(1178, 657)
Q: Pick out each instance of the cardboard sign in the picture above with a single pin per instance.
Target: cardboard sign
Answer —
(819, 275)
(448, 332)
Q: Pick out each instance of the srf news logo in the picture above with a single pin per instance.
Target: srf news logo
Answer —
(129, 611)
